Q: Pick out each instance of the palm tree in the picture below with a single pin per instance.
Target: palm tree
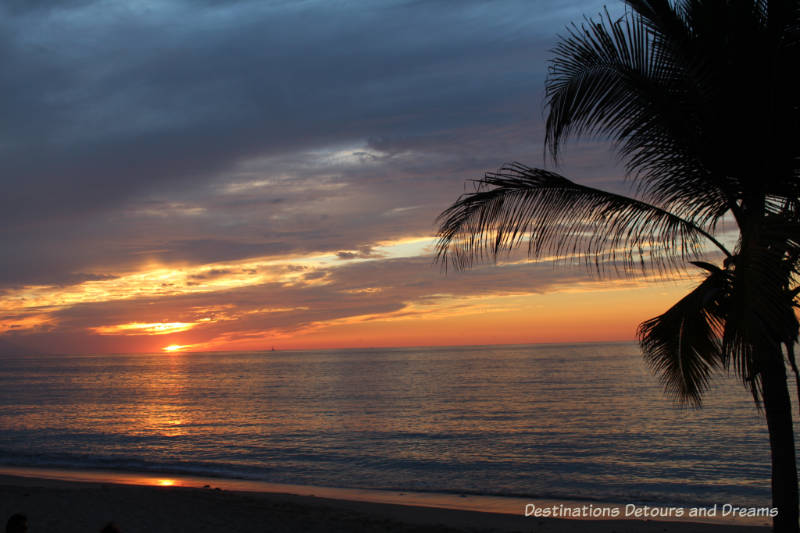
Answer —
(700, 98)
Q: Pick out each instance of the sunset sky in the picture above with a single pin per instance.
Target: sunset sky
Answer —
(237, 175)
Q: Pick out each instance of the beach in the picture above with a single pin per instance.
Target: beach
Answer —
(69, 506)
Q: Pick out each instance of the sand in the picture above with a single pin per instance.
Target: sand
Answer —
(66, 507)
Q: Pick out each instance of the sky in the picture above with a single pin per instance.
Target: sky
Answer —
(191, 175)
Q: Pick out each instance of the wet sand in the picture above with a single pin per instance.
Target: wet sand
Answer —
(80, 506)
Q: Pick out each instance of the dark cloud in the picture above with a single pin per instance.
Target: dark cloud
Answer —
(107, 106)
(115, 99)
(363, 252)
(213, 273)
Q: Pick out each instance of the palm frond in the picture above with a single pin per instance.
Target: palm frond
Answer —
(759, 313)
(661, 17)
(565, 221)
(683, 346)
(617, 79)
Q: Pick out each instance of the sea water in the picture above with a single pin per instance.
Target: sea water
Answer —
(584, 421)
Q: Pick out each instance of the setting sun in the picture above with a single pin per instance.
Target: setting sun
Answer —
(174, 348)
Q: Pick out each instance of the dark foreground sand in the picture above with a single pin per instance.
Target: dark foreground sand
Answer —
(67, 507)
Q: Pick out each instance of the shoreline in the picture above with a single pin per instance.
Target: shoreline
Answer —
(188, 502)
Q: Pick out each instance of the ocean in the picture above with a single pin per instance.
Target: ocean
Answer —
(578, 422)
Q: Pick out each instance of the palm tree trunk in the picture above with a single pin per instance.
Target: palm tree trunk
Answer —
(778, 410)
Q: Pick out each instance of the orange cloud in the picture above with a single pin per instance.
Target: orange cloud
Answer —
(397, 298)
(24, 322)
(160, 281)
(138, 328)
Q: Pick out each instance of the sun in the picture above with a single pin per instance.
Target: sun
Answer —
(174, 348)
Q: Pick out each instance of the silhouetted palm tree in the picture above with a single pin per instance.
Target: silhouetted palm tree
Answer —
(701, 100)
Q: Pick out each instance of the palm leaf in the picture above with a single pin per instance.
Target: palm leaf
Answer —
(613, 78)
(759, 314)
(562, 219)
(683, 346)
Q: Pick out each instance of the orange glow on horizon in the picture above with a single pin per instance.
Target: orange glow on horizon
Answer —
(608, 312)
(579, 312)
(213, 315)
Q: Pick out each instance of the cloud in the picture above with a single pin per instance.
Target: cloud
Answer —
(138, 328)
(367, 290)
(110, 105)
(363, 252)
(195, 136)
